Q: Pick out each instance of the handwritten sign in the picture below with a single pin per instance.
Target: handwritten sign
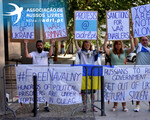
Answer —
(24, 28)
(141, 20)
(56, 85)
(126, 83)
(118, 25)
(54, 24)
(85, 25)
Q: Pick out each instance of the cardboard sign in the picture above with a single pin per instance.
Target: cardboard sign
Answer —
(24, 28)
(118, 25)
(57, 85)
(127, 83)
(54, 23)
(85, 25)
(141, 20)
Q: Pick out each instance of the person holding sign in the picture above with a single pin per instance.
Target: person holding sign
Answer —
(117, 56)
(86, 56)
(143, 58)
(39, 56)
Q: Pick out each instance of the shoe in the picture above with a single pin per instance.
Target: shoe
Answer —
(125, 109)
(33, 110)
(84, 110)
(137, 108)
(47, 109)
(114, 108)
(94, 110)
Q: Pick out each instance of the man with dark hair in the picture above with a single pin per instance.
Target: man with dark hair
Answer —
(40, 57)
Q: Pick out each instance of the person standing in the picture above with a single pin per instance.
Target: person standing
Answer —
(142, 58)
(39, 56)
(117, 56)
(87, 56)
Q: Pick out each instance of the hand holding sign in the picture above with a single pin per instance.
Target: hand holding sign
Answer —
(26, 41)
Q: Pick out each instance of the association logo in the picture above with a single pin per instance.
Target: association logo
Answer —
(17, 12)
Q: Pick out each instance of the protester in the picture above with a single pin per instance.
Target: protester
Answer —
(40, 57)
(117, 56)
(86, 56)
(142, 58)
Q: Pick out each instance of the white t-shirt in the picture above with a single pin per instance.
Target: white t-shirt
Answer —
(39, 58)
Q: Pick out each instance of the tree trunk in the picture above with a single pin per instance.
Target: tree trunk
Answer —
(56, 51)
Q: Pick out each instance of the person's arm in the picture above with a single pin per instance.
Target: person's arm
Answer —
(132, 46)
(136, 42)
(77, 46)
(52, 42)
(98, 49)
(135, 39)
(26, 49)
(105, 45)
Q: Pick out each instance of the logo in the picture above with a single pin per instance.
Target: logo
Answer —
(17, 11)
(85, 25)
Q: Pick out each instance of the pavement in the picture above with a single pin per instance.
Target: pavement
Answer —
(65, 112)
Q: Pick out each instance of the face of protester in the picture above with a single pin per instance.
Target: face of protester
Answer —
(87, 46)
(144, 41)
(118, 45)
(39, 47)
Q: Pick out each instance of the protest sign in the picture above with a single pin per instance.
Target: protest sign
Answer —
(126, 83)
(85, 25)
(54, 23)
(24, 28)
(118, 25)
(141, 20)
(56, 85)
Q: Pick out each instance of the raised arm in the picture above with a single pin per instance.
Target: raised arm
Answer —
(105, 45)
(76, 44)
(132, 46)
(26, 49)
(52, 42)
(135, 39)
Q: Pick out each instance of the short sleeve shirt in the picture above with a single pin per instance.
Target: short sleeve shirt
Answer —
(142, 58)
(39, 58)
(116, 60)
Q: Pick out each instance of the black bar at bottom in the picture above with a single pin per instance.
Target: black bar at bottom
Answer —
(102, 97)
(35, 95)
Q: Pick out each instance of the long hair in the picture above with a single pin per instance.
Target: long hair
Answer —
(115, 50)
(86, 42)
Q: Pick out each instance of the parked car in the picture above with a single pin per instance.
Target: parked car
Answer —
(132, 56)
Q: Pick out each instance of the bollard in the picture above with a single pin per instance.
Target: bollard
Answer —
(35, 95)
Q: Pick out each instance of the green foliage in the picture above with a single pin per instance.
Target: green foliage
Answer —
(47, 45)
(95, 5)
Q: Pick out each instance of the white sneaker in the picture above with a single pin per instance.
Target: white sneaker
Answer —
(137, 108)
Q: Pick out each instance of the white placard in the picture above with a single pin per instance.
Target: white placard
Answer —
(118, 25)
(85, 25)
(56, 85)
(127, 82)
(141, 20)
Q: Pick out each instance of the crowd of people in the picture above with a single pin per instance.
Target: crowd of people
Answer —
(86, 55)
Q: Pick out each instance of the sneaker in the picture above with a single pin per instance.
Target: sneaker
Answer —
(137, 108)
(114, 109)
(84, 110)
(125, 109)
(47, 109)
(33, 110)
